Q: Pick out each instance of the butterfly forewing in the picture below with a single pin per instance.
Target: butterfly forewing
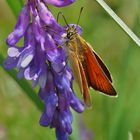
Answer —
(97, 72)
(104, 68)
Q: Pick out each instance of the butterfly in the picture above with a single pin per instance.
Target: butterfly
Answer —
(88, 68)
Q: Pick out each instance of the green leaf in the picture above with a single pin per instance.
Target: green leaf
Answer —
(15, 6)
(25, 87)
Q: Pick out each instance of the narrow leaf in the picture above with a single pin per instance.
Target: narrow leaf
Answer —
(119, 21)
(15, 6)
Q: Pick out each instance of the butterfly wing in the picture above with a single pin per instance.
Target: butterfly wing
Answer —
(78, 73)
(86, 94)
(103, 66)
(73, 60)
(98, 75)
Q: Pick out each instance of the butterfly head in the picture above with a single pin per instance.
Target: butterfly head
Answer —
(71, 32)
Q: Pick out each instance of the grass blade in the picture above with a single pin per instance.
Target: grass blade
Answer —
(119, 21)
(15, 6)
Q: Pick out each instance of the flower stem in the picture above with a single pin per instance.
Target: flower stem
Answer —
(119, 21)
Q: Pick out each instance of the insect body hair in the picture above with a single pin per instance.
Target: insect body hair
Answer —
(71, 32)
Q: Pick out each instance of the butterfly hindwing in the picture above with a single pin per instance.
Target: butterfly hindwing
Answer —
(79, 73)
(86, 94)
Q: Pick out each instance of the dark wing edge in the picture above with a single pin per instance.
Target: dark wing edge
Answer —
(103, 66)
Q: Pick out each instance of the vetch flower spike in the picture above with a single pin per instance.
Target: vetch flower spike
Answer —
(42, 61)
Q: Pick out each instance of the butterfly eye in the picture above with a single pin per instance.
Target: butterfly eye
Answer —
(75, 29)
(69, 35)
(73, 26)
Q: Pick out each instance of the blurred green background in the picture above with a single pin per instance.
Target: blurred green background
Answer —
(109, 118)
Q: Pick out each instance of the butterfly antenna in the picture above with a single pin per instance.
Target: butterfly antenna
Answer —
(60, 13)
(80, 15)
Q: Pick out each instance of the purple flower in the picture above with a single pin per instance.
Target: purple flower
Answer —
(85, 133)
(20, 27)
(42, 61)
(59, 3)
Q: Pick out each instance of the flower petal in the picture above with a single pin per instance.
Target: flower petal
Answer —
(54, 54)
(39, 32)
(10, 62)
(26, 57)
(20, 28)
(21, 73)
(49, 89)
(44, 120)
(76, 104)
(59, 3)
(61, 135)
(59, 67)
(65, 119)
(47, 17)
(51, 104)
(25, 62)
(42, 79)
(13, 52)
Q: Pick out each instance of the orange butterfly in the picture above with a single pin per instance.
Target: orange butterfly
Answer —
(88, 68)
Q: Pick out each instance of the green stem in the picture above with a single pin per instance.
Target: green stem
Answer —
(15, 6)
